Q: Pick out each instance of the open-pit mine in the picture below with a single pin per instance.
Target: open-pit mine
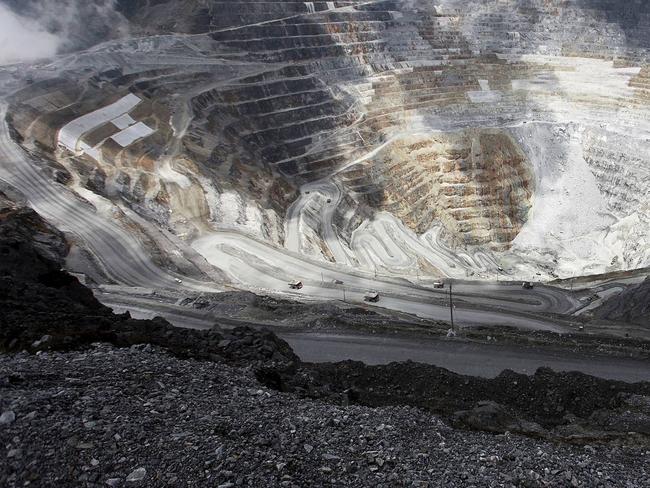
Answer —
(350, 146)
(348, 243)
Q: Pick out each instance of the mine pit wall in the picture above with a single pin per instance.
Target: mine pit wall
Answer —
(125, 173)
(477, 183)
(621, 170)
(332, 85)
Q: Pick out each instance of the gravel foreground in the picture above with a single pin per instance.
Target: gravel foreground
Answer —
(141, 417)
(163, 406)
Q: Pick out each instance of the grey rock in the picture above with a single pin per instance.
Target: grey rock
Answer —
(42, 341)
(219, 453)
(14, 453)
(7, 417)
(330, 457)
(137, 474)
(231, 438)
(492, 417)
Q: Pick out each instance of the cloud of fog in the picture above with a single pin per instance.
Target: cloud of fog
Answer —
(34, 29)
(23, 39)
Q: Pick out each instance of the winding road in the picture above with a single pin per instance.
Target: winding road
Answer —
(258, 266)
(121, 255)
(322, 198)
(460, 356)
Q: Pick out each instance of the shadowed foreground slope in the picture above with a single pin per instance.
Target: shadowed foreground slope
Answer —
(180, 407)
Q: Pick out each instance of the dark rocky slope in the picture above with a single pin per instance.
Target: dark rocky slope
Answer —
(44, 307)
(568, 407)
(140, 417)
(171, 407)
(631, 306)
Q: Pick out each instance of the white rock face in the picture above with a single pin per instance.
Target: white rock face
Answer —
(7, 417)
(136, 475)
(275, 123)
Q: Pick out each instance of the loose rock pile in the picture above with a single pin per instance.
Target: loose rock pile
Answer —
(89, 398)
(568, 407)
(140, 417)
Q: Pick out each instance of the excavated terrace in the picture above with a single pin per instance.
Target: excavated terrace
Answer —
(435, 136)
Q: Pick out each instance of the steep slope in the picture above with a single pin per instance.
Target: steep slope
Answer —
(542, 106)
(632, 305)
(45, 308)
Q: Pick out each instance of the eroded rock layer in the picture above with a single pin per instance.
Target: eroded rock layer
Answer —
(477, 183)
(532, 115)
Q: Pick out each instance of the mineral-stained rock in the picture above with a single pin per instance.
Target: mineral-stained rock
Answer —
(477, 183)
(264, 97)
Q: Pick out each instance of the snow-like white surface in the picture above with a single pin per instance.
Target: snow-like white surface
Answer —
(71, 133)
(579, 77)
(93, 152)
(123, 121)
(566, 201)
(230, 206)
(484, 96)
(234, 211)
(131, 134)
(570, 221)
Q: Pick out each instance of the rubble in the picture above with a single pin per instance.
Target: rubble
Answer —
(90, 398)
(105, 415)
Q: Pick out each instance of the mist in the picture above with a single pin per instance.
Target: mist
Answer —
(23, 39)
(35, 29)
